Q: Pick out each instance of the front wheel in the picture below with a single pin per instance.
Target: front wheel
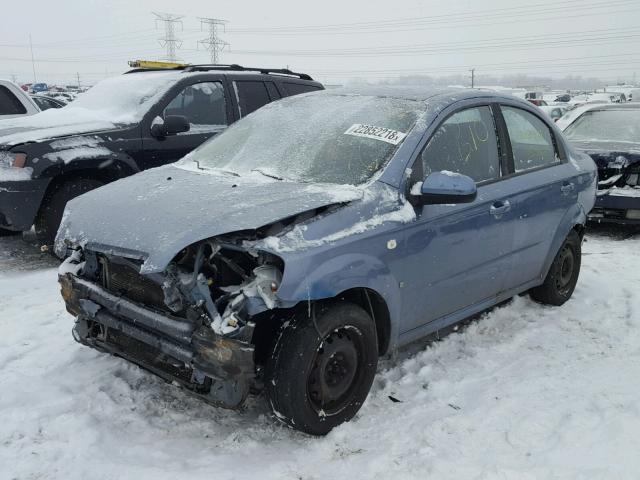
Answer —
(320, 373)
(561, 280)
(50, 214)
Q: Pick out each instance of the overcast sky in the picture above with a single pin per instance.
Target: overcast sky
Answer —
(333, 40)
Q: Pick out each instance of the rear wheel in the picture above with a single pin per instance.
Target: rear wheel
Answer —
(318, 378)
(50, 214)
(561, 280)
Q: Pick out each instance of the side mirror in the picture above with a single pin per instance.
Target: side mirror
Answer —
(448, 187)
(172, 125)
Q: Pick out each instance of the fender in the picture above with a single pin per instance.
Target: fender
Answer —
(341, 273)
(572, 217)
(119, 162)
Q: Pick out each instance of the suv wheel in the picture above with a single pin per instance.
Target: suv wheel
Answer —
(320, 373)
(50, 214)
(561, 280)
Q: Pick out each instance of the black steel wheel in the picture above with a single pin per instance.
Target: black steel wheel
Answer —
(562, 277)
(318, 378)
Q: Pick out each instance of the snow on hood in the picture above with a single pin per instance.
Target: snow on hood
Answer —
(115, 101)
(155, 214)
(52, 123)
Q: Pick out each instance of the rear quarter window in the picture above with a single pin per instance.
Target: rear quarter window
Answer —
(251, 95)
(291, 88)
(532, 143)
(9, 103)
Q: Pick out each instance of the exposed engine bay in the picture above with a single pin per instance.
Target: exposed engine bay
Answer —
(192, 323)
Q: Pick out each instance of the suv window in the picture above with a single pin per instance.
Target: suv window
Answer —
(465, 143)
(251, 96)
(296, 88)
(531, 141)
(202, 104)
(273, 91)
(9, 104)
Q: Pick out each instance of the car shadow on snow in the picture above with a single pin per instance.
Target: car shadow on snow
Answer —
(21, 253)
(613, 231)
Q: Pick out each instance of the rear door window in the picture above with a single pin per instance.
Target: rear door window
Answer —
(297, 88)
(9, 103)
(251, 95)
(203, 104)
(465, 143)
(531, 141)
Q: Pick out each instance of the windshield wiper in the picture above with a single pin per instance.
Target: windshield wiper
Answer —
(270, 175)
(230, 172)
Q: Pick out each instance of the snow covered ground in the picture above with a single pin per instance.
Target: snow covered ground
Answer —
(524, 392)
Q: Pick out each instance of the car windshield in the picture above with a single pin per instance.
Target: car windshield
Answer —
(619, 125)
(315, 137)
(125, 98)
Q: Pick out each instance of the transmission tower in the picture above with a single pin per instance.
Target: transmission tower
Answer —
(213, 43)
(169, 41)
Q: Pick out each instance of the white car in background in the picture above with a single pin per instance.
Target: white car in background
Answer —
(554, 111)
(15, 102)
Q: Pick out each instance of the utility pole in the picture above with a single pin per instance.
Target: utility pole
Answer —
(169, 41)
(78, 77)
(213, 43)
(33, 63)
(473, 72)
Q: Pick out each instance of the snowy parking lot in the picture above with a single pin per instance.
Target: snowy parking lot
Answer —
(525, 391)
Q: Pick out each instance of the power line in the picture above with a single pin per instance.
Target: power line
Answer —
(508, 12)
(213, 43)
(169, 41)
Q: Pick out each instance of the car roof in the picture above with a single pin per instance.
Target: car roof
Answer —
(613, 106)
(415, 92)
(227, 70)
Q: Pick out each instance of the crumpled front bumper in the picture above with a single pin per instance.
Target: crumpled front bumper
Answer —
(172, 348)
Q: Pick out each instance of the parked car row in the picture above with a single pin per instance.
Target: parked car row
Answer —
(302, 239)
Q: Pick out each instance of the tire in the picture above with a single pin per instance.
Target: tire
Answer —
(563, 274)
(52, 208)
(316, 382)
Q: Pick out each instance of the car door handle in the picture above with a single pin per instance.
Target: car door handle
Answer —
(567, 188)
(498, 208)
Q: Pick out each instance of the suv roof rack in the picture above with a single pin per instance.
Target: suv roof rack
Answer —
(222, 67)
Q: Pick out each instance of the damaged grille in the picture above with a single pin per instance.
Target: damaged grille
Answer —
(125, 280)
(150, 358)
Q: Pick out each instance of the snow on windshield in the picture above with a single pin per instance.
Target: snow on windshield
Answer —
(619, 125)
(126, 98)
(316, 137)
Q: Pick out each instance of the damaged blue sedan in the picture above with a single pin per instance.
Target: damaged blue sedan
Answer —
(319, 233)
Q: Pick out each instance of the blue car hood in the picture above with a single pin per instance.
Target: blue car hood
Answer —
(155, 214)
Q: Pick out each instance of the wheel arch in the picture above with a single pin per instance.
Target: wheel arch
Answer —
(103, 169)
(361, 278)
(375, 305)
(574, 219)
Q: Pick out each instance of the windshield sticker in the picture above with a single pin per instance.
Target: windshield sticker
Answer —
(388, 135)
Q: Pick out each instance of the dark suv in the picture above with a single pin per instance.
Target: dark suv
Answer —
(142, 119)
